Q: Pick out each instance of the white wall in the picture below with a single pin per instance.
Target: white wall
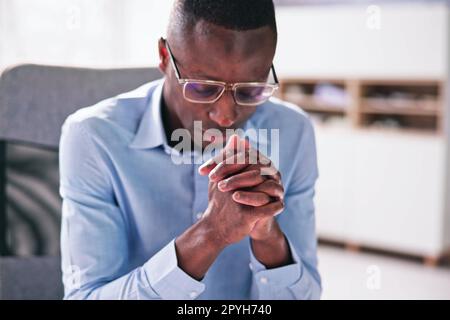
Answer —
(446, 226)
(96, 33)
(146, 24)
(336, 41)
(314, 40)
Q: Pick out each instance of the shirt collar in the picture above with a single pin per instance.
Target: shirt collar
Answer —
(151, 133)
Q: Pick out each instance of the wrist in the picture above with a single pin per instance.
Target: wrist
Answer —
(274, 235)
(208, 235)
(273, 251)
(272, 241)
(196, 250)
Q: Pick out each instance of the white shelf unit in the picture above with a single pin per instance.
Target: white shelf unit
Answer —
(383, 190)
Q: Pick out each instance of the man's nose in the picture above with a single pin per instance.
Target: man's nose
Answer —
(224, 111)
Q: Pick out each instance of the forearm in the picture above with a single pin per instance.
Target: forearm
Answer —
(197, 248)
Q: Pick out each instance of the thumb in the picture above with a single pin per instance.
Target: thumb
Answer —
(230, 148)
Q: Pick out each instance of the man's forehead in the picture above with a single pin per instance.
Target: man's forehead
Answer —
(204, 35)
(231, 46)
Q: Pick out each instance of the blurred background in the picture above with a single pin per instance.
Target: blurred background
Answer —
(373, 76)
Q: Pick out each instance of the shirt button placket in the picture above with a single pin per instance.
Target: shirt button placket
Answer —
(199, 203)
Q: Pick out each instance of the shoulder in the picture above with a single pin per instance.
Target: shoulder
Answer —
(295, 147)
(116, 116)
(291, 139)
(291, 121)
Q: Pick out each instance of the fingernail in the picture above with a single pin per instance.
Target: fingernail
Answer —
(206, 164)
(222, 184)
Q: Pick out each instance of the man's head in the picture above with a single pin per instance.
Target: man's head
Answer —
(224, 40)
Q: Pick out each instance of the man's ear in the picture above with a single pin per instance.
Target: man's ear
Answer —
(163, 56)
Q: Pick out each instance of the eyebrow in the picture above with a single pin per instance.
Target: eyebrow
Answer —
(196, 74)
(202, 76)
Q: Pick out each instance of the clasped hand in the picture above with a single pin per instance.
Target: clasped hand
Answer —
(245, 193)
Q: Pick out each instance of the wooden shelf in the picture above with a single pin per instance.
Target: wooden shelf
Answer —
(414, 104)
(410, 108)
(402, 112)
(308, 103)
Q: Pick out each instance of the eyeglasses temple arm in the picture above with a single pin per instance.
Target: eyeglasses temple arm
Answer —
(172, 59)
(275, 77)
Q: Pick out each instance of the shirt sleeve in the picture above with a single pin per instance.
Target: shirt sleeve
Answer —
(300, 280)
(94, 242)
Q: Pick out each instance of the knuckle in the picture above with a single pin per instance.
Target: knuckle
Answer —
(271, 183)
(231, 181)
(279, 188)
(256, 173)
(219, 168)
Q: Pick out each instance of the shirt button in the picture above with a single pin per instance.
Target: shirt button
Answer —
(193, 294)
(250, 266)
(263, 280)
(199, 215)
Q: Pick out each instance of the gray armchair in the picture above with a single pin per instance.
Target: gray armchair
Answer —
(34, 102)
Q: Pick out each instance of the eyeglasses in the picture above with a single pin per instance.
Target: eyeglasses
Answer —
(210, 91)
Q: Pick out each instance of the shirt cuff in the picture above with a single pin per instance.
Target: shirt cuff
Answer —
(277, 278)
(167, 279)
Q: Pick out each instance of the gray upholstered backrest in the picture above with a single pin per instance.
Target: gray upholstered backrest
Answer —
(30, 278)
(35, 100)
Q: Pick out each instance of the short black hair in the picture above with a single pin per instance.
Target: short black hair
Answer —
(237, 15)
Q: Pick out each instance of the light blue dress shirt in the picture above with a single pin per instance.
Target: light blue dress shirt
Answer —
(125, 201)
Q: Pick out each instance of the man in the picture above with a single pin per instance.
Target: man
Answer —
(138, 224)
